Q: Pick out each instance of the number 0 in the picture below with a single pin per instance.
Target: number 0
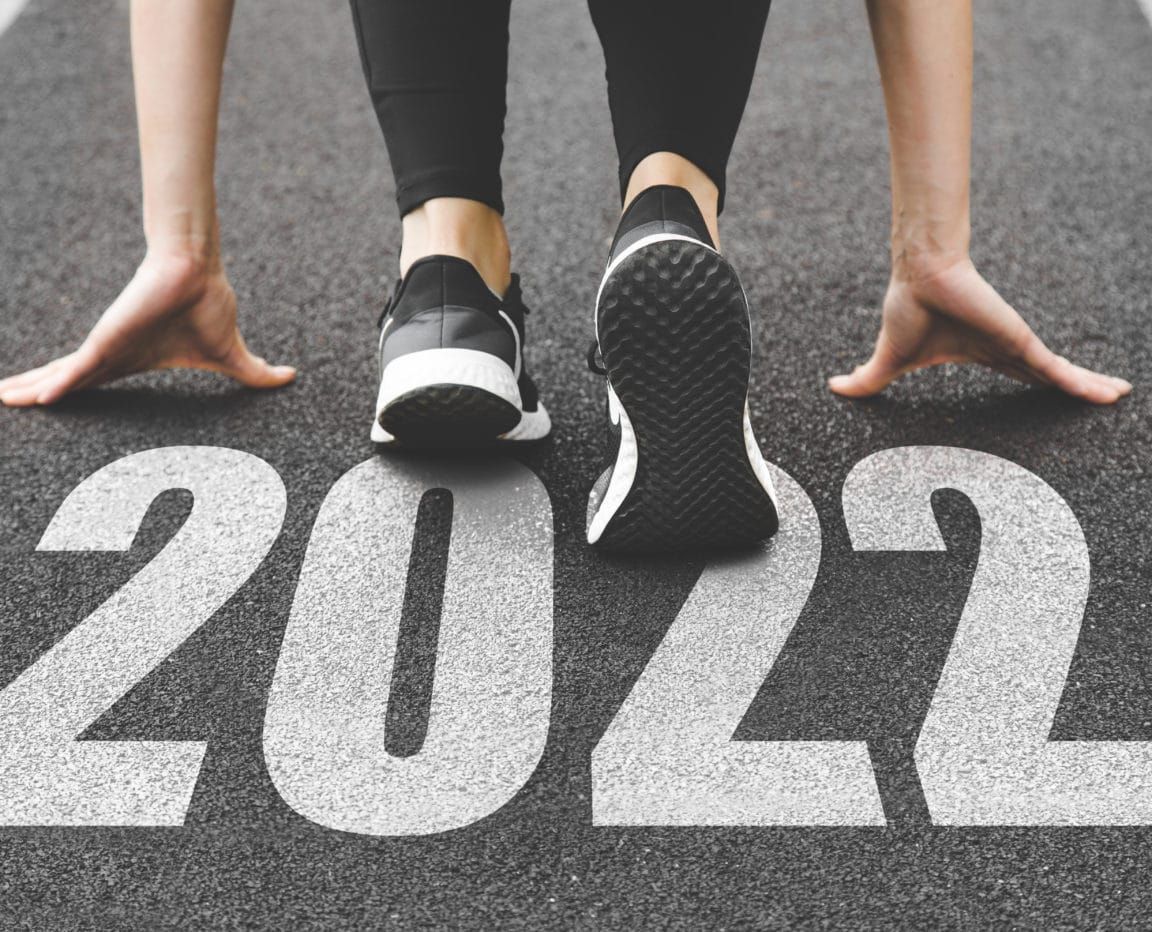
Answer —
(491, 698)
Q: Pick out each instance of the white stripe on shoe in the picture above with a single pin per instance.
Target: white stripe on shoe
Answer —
(448, 366)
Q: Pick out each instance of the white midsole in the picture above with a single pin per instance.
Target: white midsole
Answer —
(472, 368)
(624, 471)
(756, 459)
(534, 425)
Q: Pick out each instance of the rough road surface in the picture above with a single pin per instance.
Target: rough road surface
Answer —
(1063, 222)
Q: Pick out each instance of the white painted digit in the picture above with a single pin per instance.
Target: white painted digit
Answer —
(983, 755)
(491, 699)
(668, 757)
(46, 776)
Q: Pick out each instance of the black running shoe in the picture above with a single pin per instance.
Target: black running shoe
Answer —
(452, 361)
(673, 332)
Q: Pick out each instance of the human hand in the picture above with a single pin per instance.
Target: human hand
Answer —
(175, 312)
(954, 315)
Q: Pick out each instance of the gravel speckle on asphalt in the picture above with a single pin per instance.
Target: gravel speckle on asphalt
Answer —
(1062, 205)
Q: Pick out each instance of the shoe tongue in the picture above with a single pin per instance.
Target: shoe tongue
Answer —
(447, 281)
(662, 208)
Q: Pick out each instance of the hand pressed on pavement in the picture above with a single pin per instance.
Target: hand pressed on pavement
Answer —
(174, 313)
(954, 315)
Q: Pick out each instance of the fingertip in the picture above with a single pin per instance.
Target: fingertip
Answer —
(850, 389)
(1093, 387)
(266, 376)
(278, 376)
(854, 385)
(1106, 394)
(17, 398)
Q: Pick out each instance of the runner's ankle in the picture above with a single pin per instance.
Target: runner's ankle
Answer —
(463, 228)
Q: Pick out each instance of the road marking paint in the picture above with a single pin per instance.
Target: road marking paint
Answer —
(1146, 6)
(325, 732)
(9, 10)
(47, 776)
(984, 754)
(669, 757)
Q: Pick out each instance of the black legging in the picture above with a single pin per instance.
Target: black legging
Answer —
(678, 71)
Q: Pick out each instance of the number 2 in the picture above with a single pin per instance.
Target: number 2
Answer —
(983, 755)
(668, 757)
(46, 776)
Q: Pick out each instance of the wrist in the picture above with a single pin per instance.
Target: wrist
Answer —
(914, 266)
(188, 231)
(927, 250)
(928, 237)
(187, 261)
(199, 252)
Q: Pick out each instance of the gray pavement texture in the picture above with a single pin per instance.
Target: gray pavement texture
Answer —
(1063, 222)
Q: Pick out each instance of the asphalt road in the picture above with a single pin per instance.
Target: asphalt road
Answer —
(1063, 222)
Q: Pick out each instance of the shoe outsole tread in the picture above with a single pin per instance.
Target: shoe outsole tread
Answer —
(449, 416)
(674, 334)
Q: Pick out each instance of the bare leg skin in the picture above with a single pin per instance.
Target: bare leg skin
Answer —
(938, 307)
(456, 226)
(179, 309)
(669, 168)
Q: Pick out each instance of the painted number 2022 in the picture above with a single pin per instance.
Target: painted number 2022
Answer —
(983, 754)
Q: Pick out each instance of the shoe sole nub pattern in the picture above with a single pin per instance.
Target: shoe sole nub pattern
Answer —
(449, 416)
(674, 333)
